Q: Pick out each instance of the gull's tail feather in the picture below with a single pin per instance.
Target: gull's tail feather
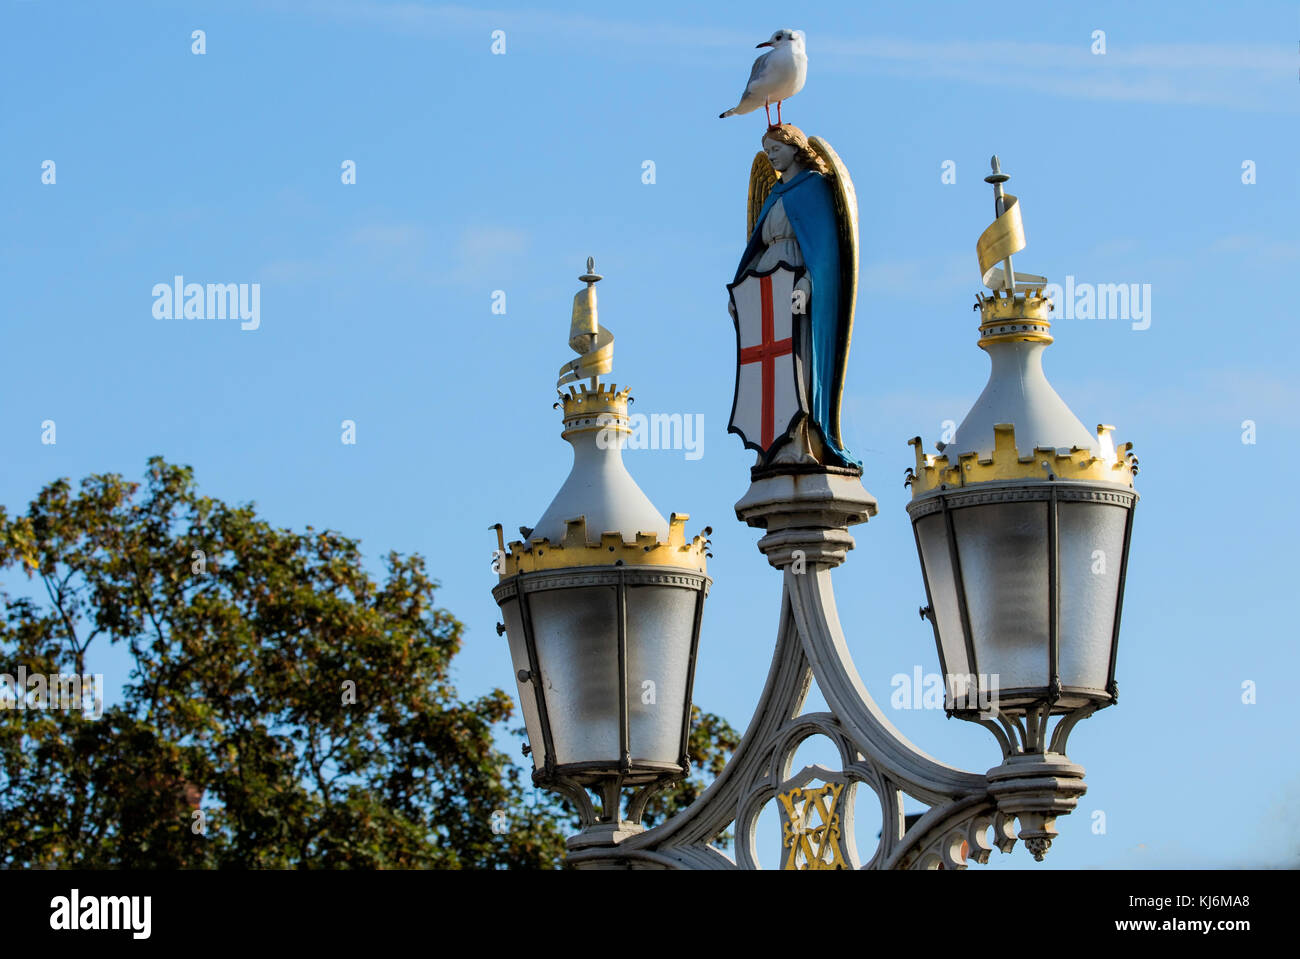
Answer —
(744, 106)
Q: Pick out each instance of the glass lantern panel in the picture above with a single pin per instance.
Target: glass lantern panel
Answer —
(937, 562)
(1092, 553)
(1002, 548)
(660, 620)
(527, 693)
(577, 650)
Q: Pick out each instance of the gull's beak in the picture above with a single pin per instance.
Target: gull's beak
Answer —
(765, 43)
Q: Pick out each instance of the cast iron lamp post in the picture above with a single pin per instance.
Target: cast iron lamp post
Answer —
(1024, 554)
(602, 604)
(1022, 525)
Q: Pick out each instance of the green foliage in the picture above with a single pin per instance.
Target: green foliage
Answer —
(241, 654)
(284, 709)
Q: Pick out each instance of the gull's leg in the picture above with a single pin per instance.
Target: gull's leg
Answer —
(778, 112)
(768, 111)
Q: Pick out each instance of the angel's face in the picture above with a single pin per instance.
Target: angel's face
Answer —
(781, 154)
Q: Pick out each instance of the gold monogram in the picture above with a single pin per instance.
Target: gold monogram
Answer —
(809, 845)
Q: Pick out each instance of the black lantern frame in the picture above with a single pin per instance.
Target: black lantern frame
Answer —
(607, 776)
(1037, 703)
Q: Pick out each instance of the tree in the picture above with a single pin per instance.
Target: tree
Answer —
(284, 709)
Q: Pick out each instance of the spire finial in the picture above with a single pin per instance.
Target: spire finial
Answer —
(997, 178)
(1003, 237)
(592, 342)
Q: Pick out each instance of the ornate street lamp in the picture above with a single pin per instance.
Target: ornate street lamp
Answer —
(1023, 526)
(602, 602)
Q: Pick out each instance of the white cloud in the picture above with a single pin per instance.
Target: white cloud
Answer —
(934, 274)
(293, 271)
(482, 242)
(1229, 394)
(1114, 247)
(1260, 247)
(1236, 76)
(390, 237)
(486, 252)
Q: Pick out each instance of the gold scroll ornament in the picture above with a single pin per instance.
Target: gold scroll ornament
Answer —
(1004, 237)
(592, 342)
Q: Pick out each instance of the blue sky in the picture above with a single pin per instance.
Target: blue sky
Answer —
(478, 172)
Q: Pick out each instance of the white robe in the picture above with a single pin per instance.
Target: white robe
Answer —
(780, 245)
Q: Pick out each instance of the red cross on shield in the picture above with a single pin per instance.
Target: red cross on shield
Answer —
(767, 396)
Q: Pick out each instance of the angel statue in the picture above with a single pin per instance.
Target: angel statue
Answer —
(792, 301)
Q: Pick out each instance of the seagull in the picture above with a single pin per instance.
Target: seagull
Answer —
(777, 75)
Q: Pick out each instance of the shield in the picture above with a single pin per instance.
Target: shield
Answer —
(768, 398)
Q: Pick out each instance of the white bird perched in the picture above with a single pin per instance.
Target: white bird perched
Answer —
(777, 75)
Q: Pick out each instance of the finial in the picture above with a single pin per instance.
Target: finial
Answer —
(591, 276)
(1003, 237)
(592, 342)
(997, 178)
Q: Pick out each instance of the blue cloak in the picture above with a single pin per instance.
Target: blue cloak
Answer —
(810, 208)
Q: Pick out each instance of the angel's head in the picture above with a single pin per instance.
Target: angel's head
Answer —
(789, 151)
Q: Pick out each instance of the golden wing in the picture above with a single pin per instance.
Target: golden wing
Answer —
(762, 177)
(846, 210)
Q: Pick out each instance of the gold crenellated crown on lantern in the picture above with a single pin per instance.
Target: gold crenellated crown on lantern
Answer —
(1016, 311)
(597, 424)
